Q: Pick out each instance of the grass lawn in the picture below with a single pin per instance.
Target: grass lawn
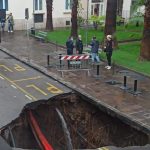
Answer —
(130, 27)
(128, 55)
(60, 36)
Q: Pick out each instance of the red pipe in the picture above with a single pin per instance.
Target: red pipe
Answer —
(43, 143)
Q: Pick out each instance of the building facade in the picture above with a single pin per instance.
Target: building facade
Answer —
(61, 11)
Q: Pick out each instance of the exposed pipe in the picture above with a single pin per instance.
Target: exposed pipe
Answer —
(42, 141)
(66, 132)
(12, 137)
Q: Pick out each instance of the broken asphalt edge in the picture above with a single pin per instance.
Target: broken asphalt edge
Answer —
(100, 104)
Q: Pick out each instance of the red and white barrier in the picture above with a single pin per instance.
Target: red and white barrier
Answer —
(75, 57)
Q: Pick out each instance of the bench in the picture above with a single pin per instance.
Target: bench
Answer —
(41, 35)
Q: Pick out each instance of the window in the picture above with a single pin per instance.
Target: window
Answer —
(38, 18)
(38, 5)
(68, 4)
(4, 4)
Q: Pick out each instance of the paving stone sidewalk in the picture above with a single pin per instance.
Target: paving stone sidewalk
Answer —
(135, 108)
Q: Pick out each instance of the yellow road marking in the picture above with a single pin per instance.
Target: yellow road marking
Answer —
(6, 68)
(38, 89)
(19, 68)
(53, 89)
(33, 78)
(103, 148)
(18, 87)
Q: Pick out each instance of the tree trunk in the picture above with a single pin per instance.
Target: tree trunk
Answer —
(145, 45)
(49, 22)
(110, 24)
(74, 25)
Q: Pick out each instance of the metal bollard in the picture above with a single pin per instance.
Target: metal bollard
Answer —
(48, 60)
(135, 85)
(125, 81)
(60, 61)
(97, 70)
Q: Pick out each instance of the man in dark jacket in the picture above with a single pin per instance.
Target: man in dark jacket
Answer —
(70, 46)
(79, 45)
(108, 49)
(94, 50)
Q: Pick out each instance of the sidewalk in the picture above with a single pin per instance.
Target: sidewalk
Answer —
(134, 107)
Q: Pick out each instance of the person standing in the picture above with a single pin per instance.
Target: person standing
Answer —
(3, 24)
(94, 50)
(108, 48)
(10, 22)
(70, 46)
(79, 45)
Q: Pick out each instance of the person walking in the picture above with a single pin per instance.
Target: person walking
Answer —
(70, 46)
(79, 45)
(108, 48)
(10, 22)
(94, 50)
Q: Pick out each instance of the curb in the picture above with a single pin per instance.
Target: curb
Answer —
(100, 104)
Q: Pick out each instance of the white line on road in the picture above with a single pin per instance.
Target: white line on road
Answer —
(13, 86)
(28, 97)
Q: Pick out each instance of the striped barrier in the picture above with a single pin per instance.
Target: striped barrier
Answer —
(75, 57)
(74, 63)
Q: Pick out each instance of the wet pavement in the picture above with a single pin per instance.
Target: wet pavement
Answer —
(20, 85)
(132, 109)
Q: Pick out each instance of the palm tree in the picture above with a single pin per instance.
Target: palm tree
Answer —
(145, 45)
(49, 22)
(74, 25)
(110, 24)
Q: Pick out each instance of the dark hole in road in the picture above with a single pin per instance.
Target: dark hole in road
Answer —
(89, 127)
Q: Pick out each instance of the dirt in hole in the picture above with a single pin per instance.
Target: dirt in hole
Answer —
(89, 127)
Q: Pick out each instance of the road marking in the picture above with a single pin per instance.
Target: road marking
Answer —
(2, 78)
(13, 86)
(19, 68)
(28, 97)
(36, 88)
(53, 89)
(18, 87)
(7, 69)
(103, 148)
(33, 78)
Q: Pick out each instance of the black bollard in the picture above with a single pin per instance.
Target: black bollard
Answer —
(135, 85)
(97, 70)
(125, 81)
(47, 60)
(60, 61)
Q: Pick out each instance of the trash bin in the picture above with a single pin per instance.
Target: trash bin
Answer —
(32, 31)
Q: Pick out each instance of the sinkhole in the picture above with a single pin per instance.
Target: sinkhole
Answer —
(71, 121)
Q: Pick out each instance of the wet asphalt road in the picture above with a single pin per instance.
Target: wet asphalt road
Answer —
(19, 85)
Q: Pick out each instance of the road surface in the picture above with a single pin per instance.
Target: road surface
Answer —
(21, 84)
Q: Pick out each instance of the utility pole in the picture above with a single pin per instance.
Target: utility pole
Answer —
(33, 13)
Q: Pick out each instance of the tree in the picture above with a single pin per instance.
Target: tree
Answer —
(145, 45)
(111, 17)
(74, 25)
(110, 23)
(49, 22)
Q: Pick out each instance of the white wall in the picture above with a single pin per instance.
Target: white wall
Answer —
(126, 9)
